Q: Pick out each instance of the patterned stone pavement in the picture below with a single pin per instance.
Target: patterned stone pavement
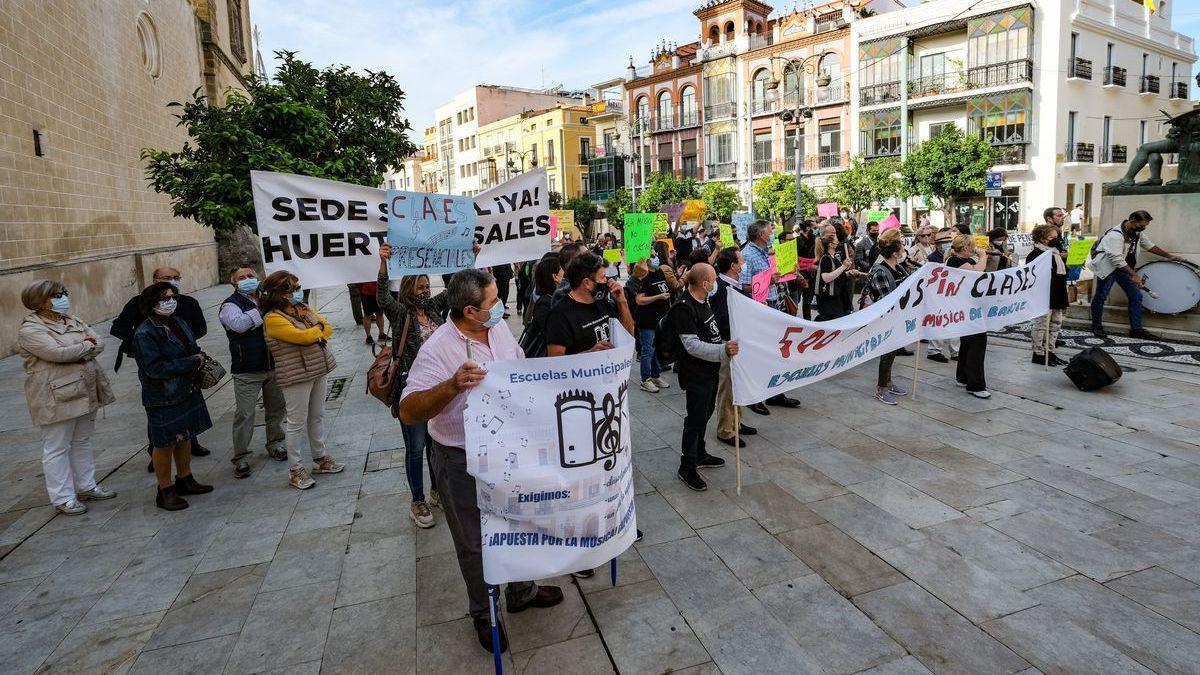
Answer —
(1042, 530)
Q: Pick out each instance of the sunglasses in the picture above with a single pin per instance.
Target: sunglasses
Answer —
(60, 294)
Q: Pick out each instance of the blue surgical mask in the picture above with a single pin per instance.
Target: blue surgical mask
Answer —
(298, 296)
(654, 262)
(60, 304)
(248, 286)
(495, 315)
(712, 291)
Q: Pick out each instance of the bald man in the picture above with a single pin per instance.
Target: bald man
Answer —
(698, 368)
(130, 317)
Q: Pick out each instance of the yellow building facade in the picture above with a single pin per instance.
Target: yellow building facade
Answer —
(558, 139)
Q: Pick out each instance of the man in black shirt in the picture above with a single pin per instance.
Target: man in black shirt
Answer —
(651, 300)
(126, 323)
(698, 368)
(580, 322)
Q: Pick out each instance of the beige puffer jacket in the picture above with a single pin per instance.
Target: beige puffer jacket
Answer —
(299, 345)
(63, 380)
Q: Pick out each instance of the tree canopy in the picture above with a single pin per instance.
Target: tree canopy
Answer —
(665, 188)
(620, 202)
(585, 213)
(775, 197)
(864, 182)
(721, 201)
(332, 123)
(948, 166)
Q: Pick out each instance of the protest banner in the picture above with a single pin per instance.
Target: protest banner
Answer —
(430, 233)
(890, 223)
(662, 228)
(1022, 243)
(1078, 252)
(639, 233)
(325, 232)
(673, 211)
(727, 239)
(878, 215)
(827, 209)
(612, 255)
(548, 442)
(512, 221)
(565, 222)
(693, 211)
(785, 257)
(760, 284)
(779, 352)
(741, 221)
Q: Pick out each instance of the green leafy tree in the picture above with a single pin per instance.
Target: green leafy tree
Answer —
(556, 201)
(332, 123)
(875, 180)
(775, 197)
(947, 167)
(585, 213)
(620, 202)
(664, 188)
(721, 201)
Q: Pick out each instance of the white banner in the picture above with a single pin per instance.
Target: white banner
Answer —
(548, 441)
(325, 232)
(778, 352)
(512, 222)
(328, 233)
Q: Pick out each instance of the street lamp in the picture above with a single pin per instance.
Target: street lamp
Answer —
(509, 151)
(808, 65)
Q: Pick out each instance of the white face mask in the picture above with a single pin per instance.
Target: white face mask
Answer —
(165, 307)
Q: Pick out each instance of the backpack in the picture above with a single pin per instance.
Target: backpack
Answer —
(667, 345)
(533, 339)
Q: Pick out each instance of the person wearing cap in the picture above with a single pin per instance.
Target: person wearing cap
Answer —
(942, 351)
(1113, 260)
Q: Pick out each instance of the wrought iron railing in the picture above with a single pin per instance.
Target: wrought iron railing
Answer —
(997, 74)
(1079, 68)
(889, 92)
(719, 111)
(1150, 84)
(1081, 152)
(1179, 90)
(722, 170)
(1114, 154)
(1114, 76)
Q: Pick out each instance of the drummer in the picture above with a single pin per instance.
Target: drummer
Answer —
(1113, 260)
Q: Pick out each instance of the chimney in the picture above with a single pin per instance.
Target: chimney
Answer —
(631, 72)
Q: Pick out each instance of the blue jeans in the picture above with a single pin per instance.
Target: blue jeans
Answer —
(1104, 286)
(418, 446)
(649, 364)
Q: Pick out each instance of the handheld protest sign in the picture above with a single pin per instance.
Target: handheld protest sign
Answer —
(430, 233)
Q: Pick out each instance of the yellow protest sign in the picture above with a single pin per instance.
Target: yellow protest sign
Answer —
(566, 223)
(612, 255)
(727, 239)
(693, 211)
(1078, 253)
(662, 225)
(785, 257)
(981, 242)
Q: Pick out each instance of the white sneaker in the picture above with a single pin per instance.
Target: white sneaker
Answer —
(71, 507)
(98, 492)
(660, 383)
(982, 393)
(648, 385)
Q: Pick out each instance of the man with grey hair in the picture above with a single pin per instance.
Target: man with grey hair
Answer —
(451, 363)
(698, 368)
(187, 309)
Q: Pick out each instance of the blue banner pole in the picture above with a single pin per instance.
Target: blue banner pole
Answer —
(612, 571)
(493, 592)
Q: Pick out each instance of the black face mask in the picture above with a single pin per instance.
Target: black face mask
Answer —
(600, 291)
(1055, 242)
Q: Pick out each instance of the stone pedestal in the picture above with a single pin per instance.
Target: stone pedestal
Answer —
(1176, 228)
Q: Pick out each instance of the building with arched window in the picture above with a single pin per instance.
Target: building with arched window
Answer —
(664, 130)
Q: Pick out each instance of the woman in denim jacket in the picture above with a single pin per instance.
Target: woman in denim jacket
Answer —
(168, 358)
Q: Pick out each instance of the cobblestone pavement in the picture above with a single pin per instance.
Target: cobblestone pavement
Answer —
(1044, 529)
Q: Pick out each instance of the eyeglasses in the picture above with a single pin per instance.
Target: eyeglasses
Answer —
(61, 294)
(174, 278)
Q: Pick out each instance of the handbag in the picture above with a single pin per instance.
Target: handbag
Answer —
(383, 375)
(210, 372)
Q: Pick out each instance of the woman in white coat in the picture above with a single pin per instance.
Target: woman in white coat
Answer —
(64, 387)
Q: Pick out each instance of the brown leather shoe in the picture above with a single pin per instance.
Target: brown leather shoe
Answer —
(547, 596)
(483, 629)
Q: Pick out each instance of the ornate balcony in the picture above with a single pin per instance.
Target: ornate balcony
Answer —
(997, 74)
(1083, 153)
(1114, 154)
(1150, 84)
(888, 92)
(1010, 153)
(1179, 90)
(1079, 69)
(719, 111)
(1114, 76)
(721, 171)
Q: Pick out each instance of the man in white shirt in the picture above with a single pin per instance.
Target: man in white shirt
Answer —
(1114, 261)
(1077, 217)
(252, 370)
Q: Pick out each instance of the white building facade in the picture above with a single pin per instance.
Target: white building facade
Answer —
(1066, 92)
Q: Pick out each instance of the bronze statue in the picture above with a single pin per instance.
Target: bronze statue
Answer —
(1183, 138)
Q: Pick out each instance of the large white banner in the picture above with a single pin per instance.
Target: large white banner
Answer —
(548, 441)
(328, 233)
(325, 232)
(512, 220)
(778, 352)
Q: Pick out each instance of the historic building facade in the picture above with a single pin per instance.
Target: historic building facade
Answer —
(1065, 92)
(87, 85)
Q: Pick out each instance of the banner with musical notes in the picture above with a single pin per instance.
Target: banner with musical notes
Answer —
(548, 441)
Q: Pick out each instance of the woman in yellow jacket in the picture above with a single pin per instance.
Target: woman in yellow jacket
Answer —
(298, 339)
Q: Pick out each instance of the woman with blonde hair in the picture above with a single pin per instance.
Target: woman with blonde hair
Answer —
(972, 348)
(922, 245)
(63, 389)
(298, 338)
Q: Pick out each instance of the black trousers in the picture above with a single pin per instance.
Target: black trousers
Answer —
(885, 369)
(701, 398)
(971, 351)
(502, 286)
(831, 307)
(806, 296)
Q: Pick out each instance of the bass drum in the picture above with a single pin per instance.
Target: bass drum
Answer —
(1177, 285)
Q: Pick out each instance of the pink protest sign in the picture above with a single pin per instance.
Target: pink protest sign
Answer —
(805, 264)
(827, 210)
(760, 284)
(890, 223)
(554, 227)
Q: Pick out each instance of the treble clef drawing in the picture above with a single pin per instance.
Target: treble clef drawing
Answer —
(608, 432)
(588, 433)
